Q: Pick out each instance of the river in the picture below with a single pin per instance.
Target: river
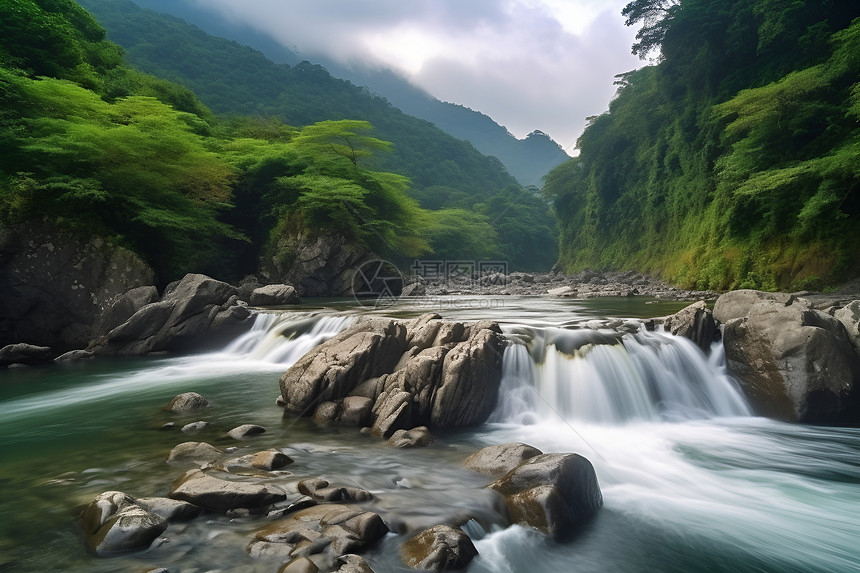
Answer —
(691, 481)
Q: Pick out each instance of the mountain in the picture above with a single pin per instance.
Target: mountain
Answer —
(528, 159)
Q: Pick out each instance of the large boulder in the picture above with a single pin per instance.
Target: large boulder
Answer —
(57, 285)
(23, 353)
(793, 362)
(333, 369)
(500, 459)
(555, 493)
(193, 312)
(115, 523)
(318, 265)
(849, 316)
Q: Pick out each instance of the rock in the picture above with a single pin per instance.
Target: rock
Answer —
(336, 529)
(695, 322)
(355, 411)
(270, 460)
(439, 548)
(320, 490)
(334, 368)
(192, 313)
(299, 565)
(194, 427)
(114, 523)
(793, 363)
(500, 459)
(245, 430)
(327, 413)
(316, 264)
(22, 353)
(197, 453)
(560, 291)
(57, 284)
(168, 509)
(738, 303)
(217, 494)
(274, 295)
(352, 563)
(74, 356)
(394, 413)
(849, 316)
(187, 402)
(414, 438)
(414, 289)
(125, 307)
(471, 373)
(555, 493)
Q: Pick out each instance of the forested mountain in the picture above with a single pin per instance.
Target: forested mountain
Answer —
(526, 159)
(91, 145)
(735, 161)
(444, 172)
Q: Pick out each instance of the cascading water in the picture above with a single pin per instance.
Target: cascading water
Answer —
(600, 377)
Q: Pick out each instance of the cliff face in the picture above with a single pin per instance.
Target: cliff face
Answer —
(56, 286)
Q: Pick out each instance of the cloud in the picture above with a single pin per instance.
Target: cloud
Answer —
(529, 64)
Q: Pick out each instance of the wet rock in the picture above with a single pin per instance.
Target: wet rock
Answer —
(335, 530)
(194, 427)
(74, 356)
(394, 413)
(198, 453)
(320, 490)
(274, 295)
(415, 438)
(440, 548)
(168, 509)
(299, 565)
(695, 322)
(555, 493)
(414, 289)
(793, 363)
(187, 402)
(24, 354)
(114, 523)
(352, 563)
(327, 413)
(355, 411)
(245, 430)
(500, 459)
(738, 303)
(270, 460)
(217, 494)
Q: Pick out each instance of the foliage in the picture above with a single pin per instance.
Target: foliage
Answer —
(742, 169)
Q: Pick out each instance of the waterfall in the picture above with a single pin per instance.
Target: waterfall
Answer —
(601, 377)
(284, 338)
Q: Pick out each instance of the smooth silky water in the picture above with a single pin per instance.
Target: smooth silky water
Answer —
(691, 481)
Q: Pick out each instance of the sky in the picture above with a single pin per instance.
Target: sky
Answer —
(528, 64)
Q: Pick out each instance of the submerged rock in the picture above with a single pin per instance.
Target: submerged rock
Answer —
(440, 548)
(187, 402)
(246, 430)
(415, 438)
(197, 453)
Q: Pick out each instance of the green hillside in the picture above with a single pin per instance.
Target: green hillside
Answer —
(733, 162)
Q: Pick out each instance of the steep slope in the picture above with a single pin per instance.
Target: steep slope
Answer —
(528, 159)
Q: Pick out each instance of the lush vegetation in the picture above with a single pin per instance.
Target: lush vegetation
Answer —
(734, 161)
(93, 145)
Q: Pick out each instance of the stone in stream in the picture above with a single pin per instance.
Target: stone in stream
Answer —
(217, 494)
(168, 509)
(22, 353)
(274, 295)
(245, 430)
(320, 490)
(115, 523)
(555, 493)
(194, 427)
(439, 548)
(695, 322)
(187, 402)
(352, 563)
(500, 459)
(196, 453)
(333, 530)
(415, 438)
(299, 565)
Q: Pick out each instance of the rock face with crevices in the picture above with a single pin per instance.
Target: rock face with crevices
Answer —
(425, 371)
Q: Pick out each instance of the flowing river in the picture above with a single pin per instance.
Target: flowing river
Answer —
(691, 481)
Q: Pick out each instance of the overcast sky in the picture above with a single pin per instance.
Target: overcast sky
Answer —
(528, 64)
